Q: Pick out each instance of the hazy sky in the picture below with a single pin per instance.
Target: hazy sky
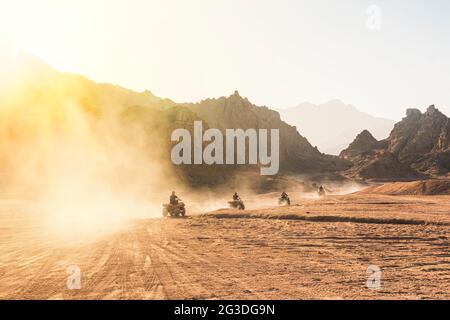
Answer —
(277, 53)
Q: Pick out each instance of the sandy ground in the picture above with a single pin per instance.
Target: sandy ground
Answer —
(315, 249)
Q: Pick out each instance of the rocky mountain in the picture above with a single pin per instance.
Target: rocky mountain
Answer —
(422, 140)
(296, 153)
(364, 142)
(344, 121)
(418, 146)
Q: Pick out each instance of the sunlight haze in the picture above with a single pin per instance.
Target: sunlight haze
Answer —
(282, 54)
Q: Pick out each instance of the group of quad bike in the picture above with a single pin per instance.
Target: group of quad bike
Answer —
(177, 209)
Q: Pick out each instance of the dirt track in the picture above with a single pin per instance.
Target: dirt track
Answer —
(279, 253)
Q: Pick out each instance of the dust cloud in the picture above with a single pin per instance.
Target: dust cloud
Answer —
(92, 156)
(77, 154)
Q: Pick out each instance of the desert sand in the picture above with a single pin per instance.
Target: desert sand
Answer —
(315, 249)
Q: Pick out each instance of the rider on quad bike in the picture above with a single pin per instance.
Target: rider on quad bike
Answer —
(321, 191)
(237, 202)
(174, 199)
(284, 199)
(175, 208)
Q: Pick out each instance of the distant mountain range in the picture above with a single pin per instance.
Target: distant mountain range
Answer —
(333, 125)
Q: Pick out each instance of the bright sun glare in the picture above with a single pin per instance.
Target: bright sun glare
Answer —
(48, 38)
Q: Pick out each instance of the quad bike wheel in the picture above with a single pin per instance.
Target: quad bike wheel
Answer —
(236, 204)
(282, 202)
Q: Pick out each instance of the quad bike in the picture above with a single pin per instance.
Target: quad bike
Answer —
(174, 210)
(236, 204)
(284, 201)
(321, 193)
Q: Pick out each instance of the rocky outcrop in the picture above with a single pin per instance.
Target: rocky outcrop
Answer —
(364, 142)
(418, 146)
(422, 141)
